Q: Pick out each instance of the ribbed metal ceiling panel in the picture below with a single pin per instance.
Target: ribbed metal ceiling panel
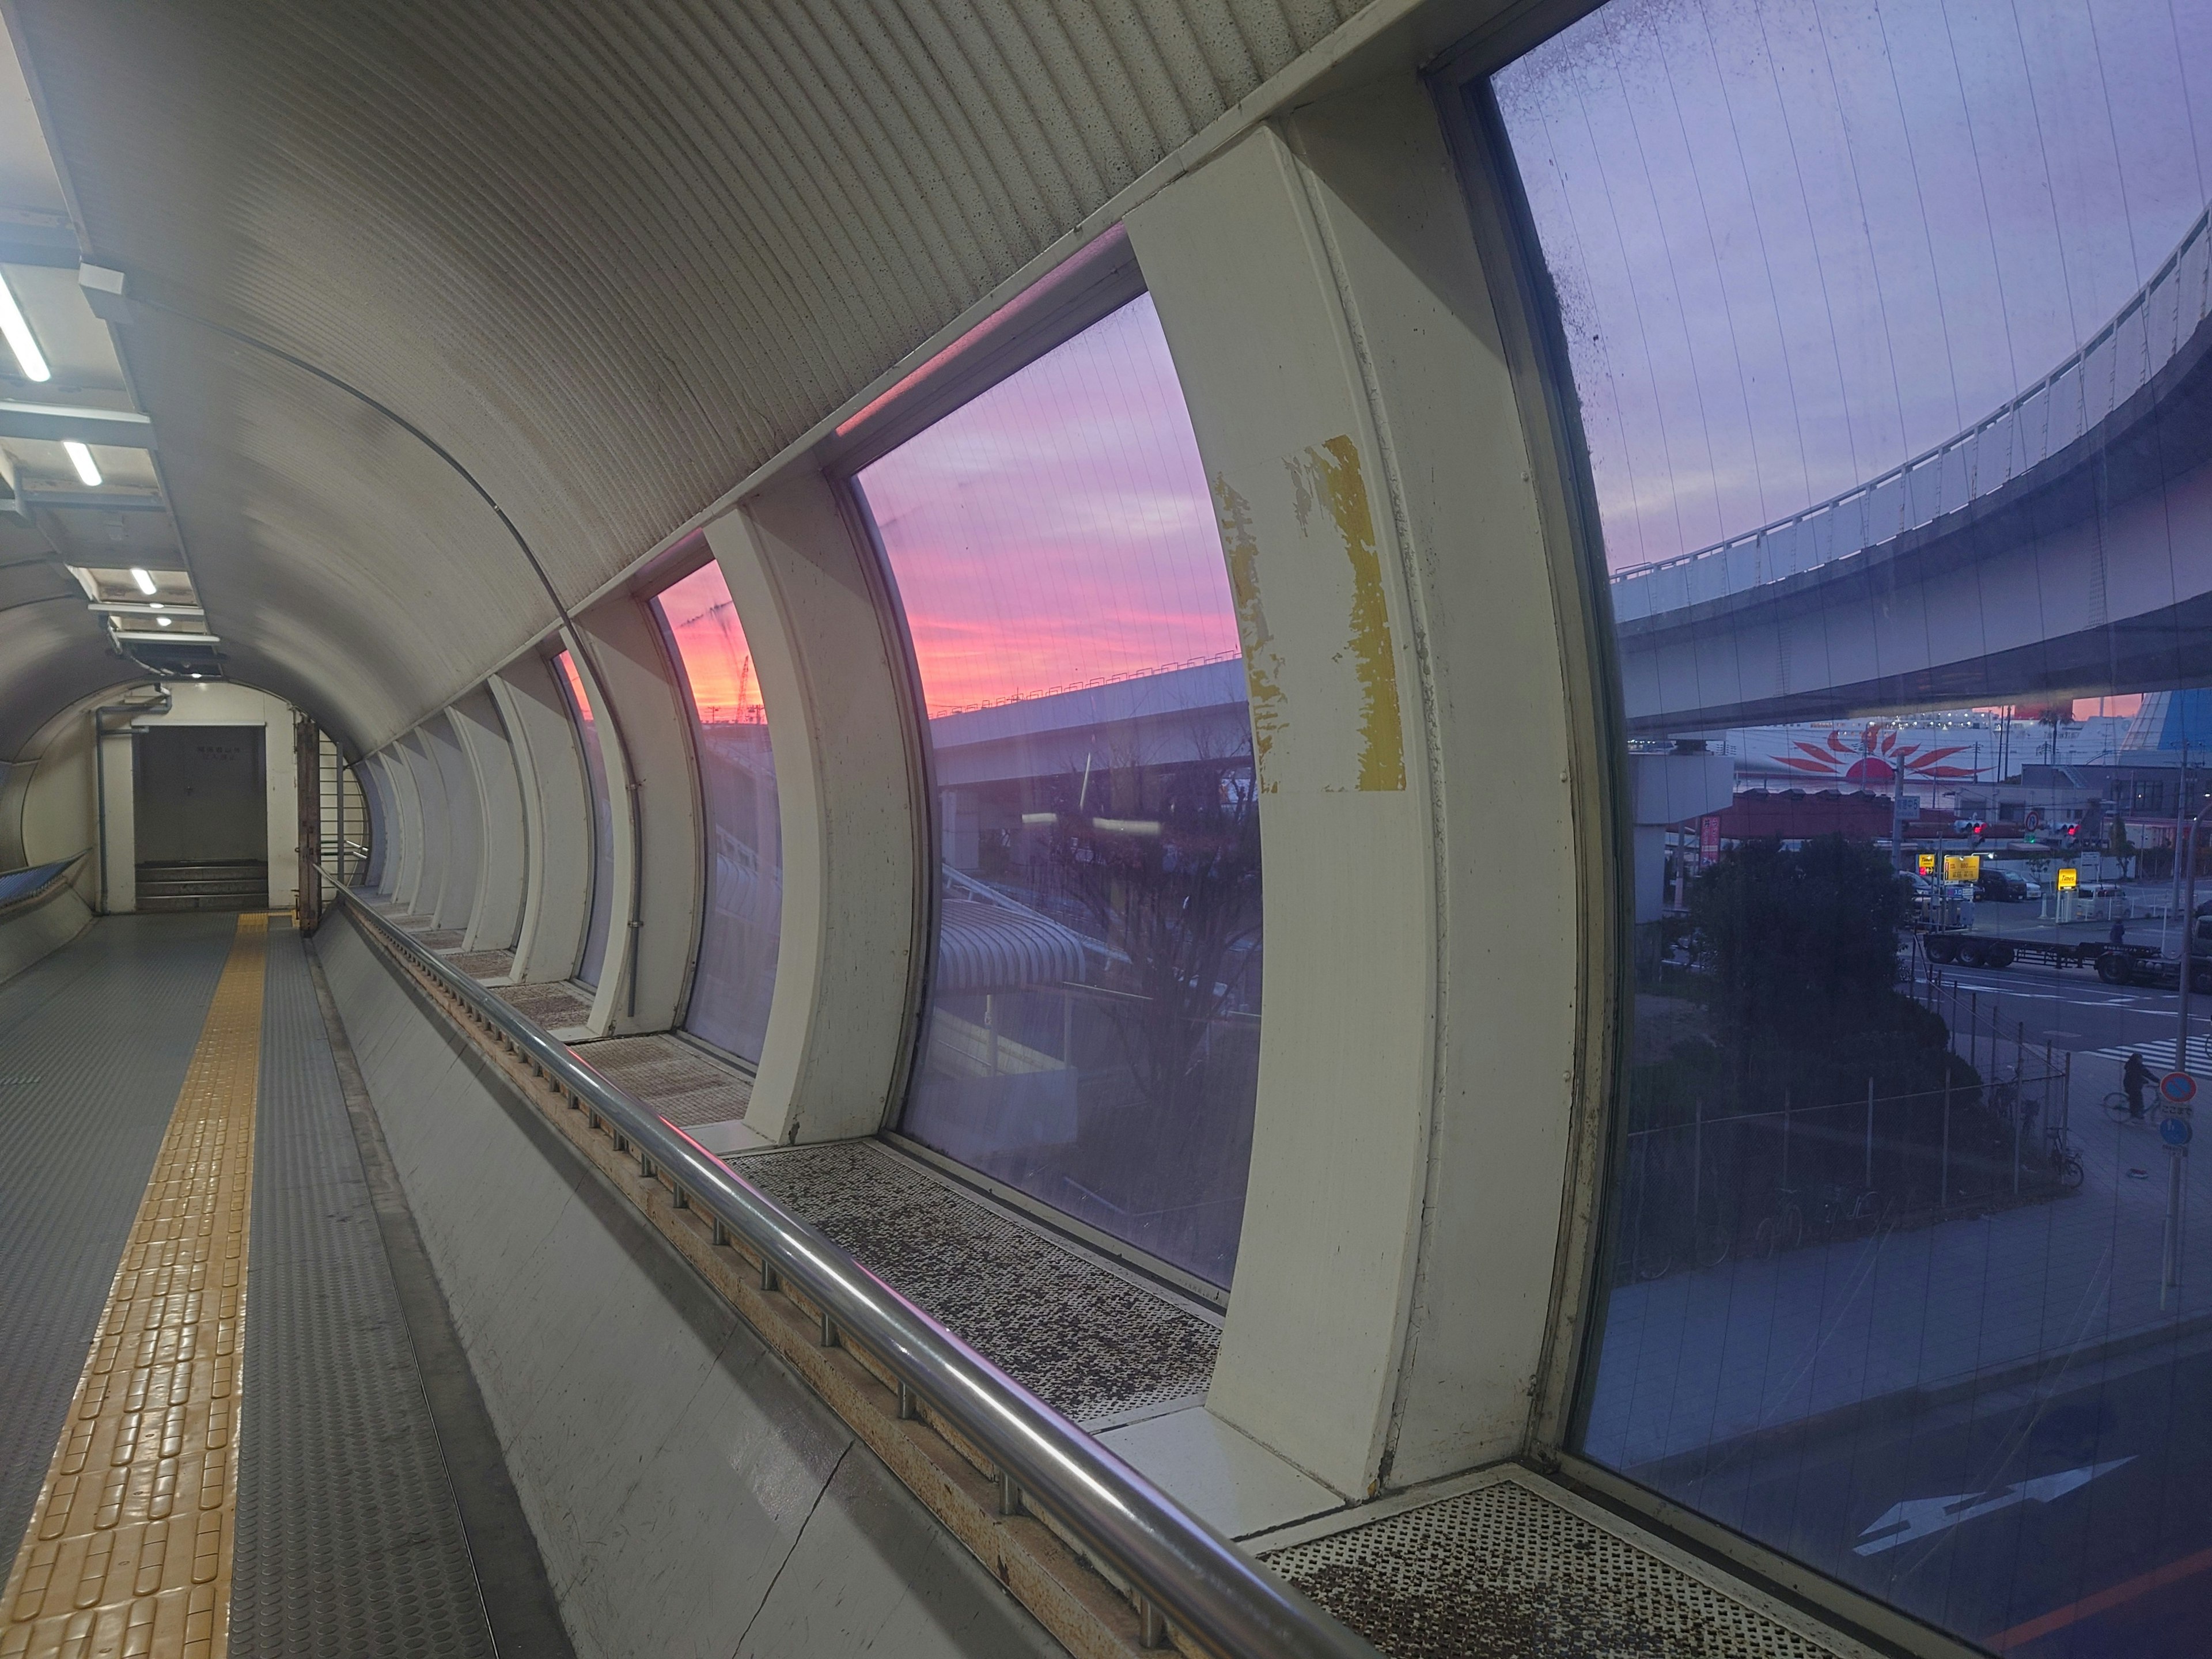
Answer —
(610, 256)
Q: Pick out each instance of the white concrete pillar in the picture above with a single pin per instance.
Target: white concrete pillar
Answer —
(407, 820)
(503, 857)
(429, 789)
(384, 829)
(117, 788)
(463, 822)
(557, 813)
(280, 764)
(856, 866)
(1321, 293)
(659, 859)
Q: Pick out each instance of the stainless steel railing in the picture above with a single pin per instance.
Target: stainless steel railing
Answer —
(1181, 1568)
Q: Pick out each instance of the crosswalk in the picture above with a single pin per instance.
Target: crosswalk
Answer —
(2158, 1055)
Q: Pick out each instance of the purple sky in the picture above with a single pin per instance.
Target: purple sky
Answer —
(1057, 529)
(1852, 229)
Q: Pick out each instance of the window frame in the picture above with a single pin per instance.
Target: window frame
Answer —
(665, 575)
(1086, 290)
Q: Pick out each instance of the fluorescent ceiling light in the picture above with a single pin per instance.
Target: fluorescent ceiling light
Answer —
(80, 458)
(155, 604)
(146, 584)
(161, 622)
(21, 340)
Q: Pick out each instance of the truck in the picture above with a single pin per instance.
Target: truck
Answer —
(2116, 964)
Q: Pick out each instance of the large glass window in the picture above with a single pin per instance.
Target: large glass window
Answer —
(1887, 331)
(736, 975)
(1093, 1032)
(603, 823)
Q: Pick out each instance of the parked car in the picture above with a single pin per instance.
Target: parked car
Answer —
(2000, 884)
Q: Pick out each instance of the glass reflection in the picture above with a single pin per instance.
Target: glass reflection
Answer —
(1888, 330)
(602, 825)
(1093, 1032)
(736, 975)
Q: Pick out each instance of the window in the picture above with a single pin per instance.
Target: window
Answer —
(602, 825)
(1093, 1027)
(736, 975)
(1886, 325)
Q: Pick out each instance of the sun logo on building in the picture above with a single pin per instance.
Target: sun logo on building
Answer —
(1876, 755)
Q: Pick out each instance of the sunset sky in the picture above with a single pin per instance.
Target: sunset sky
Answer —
(1796, 245)
(717, 662)
(1057, 529)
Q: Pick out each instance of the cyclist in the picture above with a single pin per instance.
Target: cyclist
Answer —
(2133, 1079)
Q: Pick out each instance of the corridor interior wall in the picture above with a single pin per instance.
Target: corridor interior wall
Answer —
(790, 1538)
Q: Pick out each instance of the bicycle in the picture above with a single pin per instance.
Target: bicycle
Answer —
(2065, 1163)
(1653, 1259)
(2118, 1109)
(1783, 1231)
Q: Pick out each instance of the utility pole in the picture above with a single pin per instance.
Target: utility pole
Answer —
(2176, 1115)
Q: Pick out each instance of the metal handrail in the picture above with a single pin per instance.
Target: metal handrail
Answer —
(59, 871)
(1207, 1589)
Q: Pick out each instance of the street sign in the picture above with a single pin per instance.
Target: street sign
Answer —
(1927, 864)
(1962, 866)
(2174, 1132)
(2177, 1088)
(2069, 878)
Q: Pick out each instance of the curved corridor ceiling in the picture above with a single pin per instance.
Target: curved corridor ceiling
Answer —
(610, 264)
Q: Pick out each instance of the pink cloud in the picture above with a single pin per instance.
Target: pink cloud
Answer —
(1058, 528)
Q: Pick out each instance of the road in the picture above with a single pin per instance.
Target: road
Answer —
(2070, 1008)
(2055, 1524)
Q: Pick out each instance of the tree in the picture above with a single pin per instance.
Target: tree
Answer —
(1804, 1005)
(2117, 843)
(1803, 943)
(1178, 904)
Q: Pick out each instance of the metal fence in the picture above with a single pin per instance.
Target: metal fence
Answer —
(1753, 1183)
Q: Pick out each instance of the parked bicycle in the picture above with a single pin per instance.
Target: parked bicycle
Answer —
(1783, 1231)
(2065, 1163)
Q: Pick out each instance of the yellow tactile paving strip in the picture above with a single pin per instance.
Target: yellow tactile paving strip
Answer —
(128, 1551)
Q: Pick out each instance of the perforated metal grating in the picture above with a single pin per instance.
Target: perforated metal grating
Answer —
(553, 1006)
(683, 1083)
(1081, 1338)
(483, 964)
(1509, 1570)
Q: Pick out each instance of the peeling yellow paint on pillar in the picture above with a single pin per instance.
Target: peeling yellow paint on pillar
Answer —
(1262, 663)
(1331, 474)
